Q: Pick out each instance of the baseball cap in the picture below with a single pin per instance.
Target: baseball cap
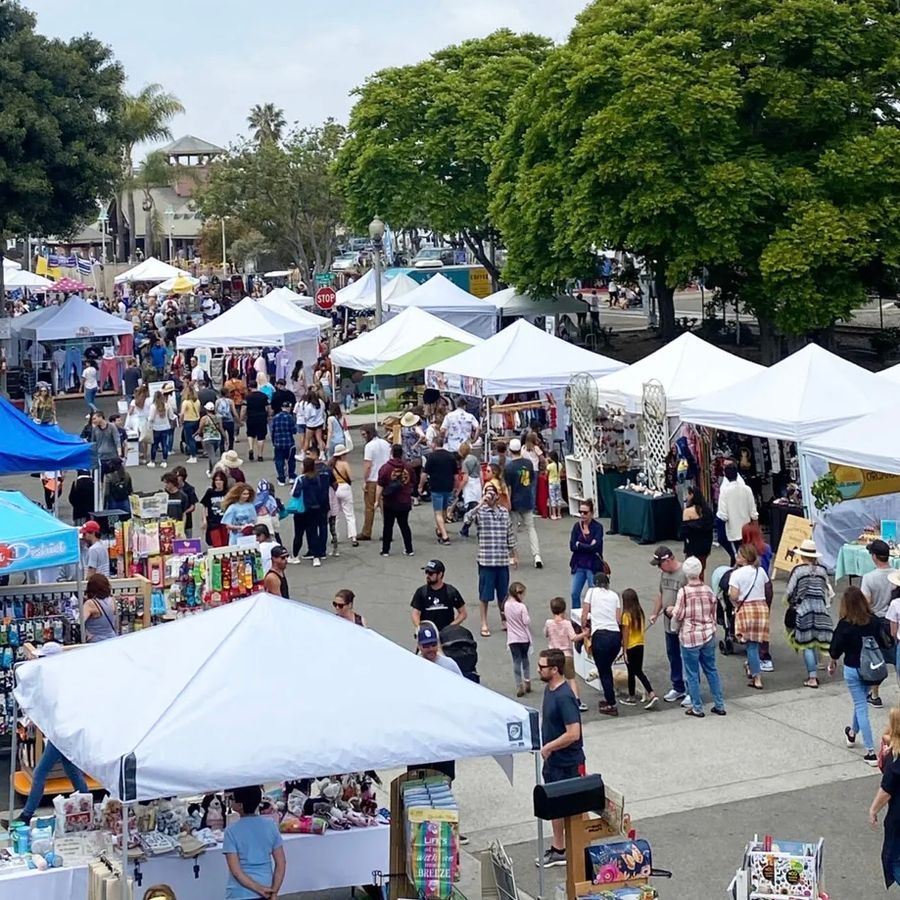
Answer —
(278, 552)
(428, 636)
(878, 548)
(90, 527)
(434, 565)
(661, 554)
(515, 446)
(209, 406)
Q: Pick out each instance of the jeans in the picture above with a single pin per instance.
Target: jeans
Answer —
(161, 440)
(188, 430)
(704, 657)
(526, 518)
(673, 652)
(809, 657)
(228, 425)
(90, 394)
(858, 691)
(581, 579)
(48, 760)
(348, 402)
(401, 517)
(753, 657)
(284, 459)
(605, 646)
(519, 654)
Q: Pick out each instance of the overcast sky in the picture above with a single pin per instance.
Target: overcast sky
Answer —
(220, 58)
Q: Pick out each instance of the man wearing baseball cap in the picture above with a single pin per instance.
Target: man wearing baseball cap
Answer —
(427, 637)
(437, 602)
(671, 580)
(96, 555)
(877, 588)
(275, 581)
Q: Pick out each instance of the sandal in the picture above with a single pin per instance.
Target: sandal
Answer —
(485, 632)
(811, 683)
(756, 684)
(693, 712)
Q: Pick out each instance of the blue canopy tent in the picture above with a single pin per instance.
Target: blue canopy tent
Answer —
(31, 538)
(29, 447)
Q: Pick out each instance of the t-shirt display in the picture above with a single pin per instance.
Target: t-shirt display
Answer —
(437, 605)
(458, 426)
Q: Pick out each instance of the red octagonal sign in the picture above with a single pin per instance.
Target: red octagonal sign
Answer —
(326, 297)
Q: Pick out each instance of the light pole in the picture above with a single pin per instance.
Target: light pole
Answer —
(376, 233)
(224, 258)
(170, 218)
(104, 218)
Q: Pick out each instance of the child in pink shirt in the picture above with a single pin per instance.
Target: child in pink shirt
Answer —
(518, 636)
(561, 635)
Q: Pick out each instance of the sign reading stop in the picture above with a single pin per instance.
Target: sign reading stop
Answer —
(325, 297)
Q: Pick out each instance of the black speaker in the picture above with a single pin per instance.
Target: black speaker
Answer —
(570, 797)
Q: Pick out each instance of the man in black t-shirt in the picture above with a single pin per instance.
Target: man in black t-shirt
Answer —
(441, 468)
(437, 602)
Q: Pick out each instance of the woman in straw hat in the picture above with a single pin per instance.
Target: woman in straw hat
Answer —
(412, 437)
(342, 478)
(807, 619)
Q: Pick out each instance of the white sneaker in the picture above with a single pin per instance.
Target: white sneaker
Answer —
(672, 695)
(151, 465)
(766, 665)
(316, 563)
(686, 703)
(294, 560)
(192, 459)
(538, 562)
(164, 465)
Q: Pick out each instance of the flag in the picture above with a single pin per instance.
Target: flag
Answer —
(388, 244)
(41, 266)
(54, 272)
(84, 267)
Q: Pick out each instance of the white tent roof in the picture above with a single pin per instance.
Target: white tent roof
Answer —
(686, 367)
(73, 319)
(20, 278)
(165, 286)
(287, 294)
(406, 331)
(151, 269)
(519, 358)
(510, 302)
(892, 374)
(867, 442)
(439, 294)
(248, 324)
(232, 665)
(278, 304)
(361, 293)
(807, 393)
(11, 264)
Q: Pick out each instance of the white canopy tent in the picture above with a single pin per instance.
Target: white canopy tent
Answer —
(75, 318)
(237, 660)
(20, 278)
(151, 269)
(248, 324)
(810, 391)
(686, 367)
(509, 302)
(892, 374)
(443, 298)
(868, 442)
(165, 286)
(286, 293)
(9, 264)
(404, 332)
(519, 358)
(278, 304)
(360, 294)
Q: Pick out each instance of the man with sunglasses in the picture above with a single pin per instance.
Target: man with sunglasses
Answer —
(436, 601)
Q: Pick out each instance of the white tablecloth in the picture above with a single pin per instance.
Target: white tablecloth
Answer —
(54, 884)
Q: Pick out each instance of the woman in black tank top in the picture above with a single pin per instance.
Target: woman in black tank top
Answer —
(343, 607)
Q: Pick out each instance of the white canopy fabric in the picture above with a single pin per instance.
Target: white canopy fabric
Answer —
(509, 302)
(165, 286)
(810, 391)
(11, 264)
(278, 304)
(248, 324)
(151, 269)
(404, 332)
(75, 318)
(213, 708)
(20, 278)
(867, 442)
(361, 293)
(521, 357)
(686, 367)
(287, 294)
(443, 298)
(892, 374)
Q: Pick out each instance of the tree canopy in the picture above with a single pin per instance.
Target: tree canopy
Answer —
(284, 192)
(266, 121)
(422, 136)
(757, 138)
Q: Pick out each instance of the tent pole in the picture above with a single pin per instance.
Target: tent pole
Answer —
(79, 587)
(375, 395)
(540, 828)
(123, 881)
(13, 755)
(97, 486)
(487, 429)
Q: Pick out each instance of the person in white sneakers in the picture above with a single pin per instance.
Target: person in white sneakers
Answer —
(522, 480)
(737, 507)
(671, 580)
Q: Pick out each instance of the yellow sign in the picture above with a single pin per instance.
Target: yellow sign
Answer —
(796, 531)
(856, 483)
(479, 282)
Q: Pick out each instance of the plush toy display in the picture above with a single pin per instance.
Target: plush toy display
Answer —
(213, 811)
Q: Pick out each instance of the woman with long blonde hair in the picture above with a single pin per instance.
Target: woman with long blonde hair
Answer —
(888, 794)
(160, 423)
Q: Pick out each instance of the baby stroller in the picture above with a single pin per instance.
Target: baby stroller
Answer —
(459, 644)
(724, 607)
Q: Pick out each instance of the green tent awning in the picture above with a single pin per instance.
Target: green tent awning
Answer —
(436, 350)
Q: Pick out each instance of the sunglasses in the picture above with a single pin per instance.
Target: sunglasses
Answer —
(585, 512)
(545, 666)
(338, 605)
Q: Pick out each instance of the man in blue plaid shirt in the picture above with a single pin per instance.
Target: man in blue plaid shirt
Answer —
(496, 551)
(283, 429)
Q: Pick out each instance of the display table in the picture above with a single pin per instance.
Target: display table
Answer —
(647, 519)
(778, 513)
(54, 884)
(854, 559)
(607, 484)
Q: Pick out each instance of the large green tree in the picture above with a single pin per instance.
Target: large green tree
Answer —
(422, 137)
(757, 138)
(286, 192)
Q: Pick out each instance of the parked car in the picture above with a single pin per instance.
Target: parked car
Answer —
(346, 262)
(434, 257)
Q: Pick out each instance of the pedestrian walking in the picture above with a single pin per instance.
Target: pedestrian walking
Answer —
(807, 619)
(212, 434)
(737, 507)
(694, 613)
(470, 481)
(257, 406)
(376, 452)
(518, 636)
(559, 630)
(441, 468)
(554, 485)
(228, 415)
(748, 588)
(437, 601)
(671, 580)
(315, 503)
(633, 630)
(522, 480)
(697, 524)
(394, 499)
(343, 607)
(601, 617)
(284, 429)
(586, 546)
(888, 794)
(343, 491)
(751, 534)
(877, 587)
(189, 416)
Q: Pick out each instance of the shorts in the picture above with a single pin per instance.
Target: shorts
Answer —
(552, 773)
(493, 582)
(569, 670)
(555, 489)
(257, 428)
(301, 428)
(440, 502)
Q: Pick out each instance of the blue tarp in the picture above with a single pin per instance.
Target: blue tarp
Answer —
(26, 446)
(31, 538)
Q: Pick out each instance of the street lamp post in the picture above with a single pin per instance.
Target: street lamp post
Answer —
(170, 218)
(224, 258)
(104, 218)
(376, 233)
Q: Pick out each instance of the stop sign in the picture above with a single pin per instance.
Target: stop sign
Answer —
(325, 297)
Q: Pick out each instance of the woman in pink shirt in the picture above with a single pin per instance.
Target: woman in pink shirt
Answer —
(518, 636)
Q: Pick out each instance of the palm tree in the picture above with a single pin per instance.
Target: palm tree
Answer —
(267, 122)
(154, 172)
(146, 118)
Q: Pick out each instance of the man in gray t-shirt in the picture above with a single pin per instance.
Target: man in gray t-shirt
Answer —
(875, 584)
(671, 580)
(96, 555)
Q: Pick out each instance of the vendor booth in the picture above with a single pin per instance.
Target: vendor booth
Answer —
(20, 278)
(151, 269)
(444, 299)
(285, 293)
(279, 304)
(360, 294)
(30, 447)
(74, 320)
(509, 303)
(182, 739)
